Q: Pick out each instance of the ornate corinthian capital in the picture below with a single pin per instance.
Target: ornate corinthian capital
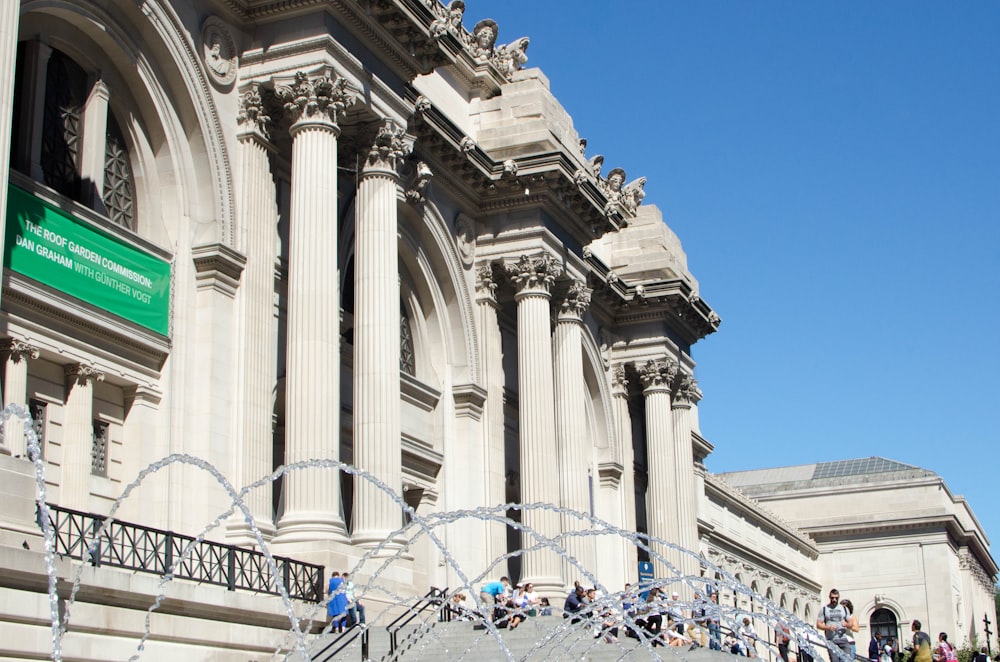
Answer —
(81, 373)
(315, 99)
(658, 374)
(534, 272)
(18, 350)
(486, 282)
(576, 301)
(251, 116)
(619, 381)
(686, 391)
(389, 148)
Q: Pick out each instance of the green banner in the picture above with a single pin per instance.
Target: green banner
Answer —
(70, 255)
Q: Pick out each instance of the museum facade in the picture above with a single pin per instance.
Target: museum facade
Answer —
(250, 234)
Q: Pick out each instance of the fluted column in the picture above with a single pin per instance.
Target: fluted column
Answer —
(257, 361)
(657, 378)
(9, 13)
(313, 510)
(533, 277)
(78, 436)
(685, 499)
(574, 454)
(493, 417)
(16, 354)
(626, 455)
(377, 443)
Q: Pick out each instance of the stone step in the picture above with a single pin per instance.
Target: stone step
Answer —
(542, 638)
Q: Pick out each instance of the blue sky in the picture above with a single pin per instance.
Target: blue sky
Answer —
(833, 171)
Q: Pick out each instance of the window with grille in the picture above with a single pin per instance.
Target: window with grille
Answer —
(65, 93)
(407, 362)
(39, 417)
(99, 449)
(119, 192)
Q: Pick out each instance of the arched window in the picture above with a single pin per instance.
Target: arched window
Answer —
(883, 624)
(407, 360)
(69, 139)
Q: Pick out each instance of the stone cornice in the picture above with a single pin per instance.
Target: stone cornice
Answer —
(720, 489)
(218, 267)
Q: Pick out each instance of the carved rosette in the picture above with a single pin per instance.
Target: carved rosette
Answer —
(686, 391)
(82, 374)
(315, 100)
(658, 375)
(18, 350)
(486, 283)
(534, 274)
(251, 116)
(619, 382)
(388, 149)
(576, 301)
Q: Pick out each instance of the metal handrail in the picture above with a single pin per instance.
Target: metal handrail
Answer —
(344, 640)
(433, 598)
(78, 535)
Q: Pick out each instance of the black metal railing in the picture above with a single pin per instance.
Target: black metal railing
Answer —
(433, 599)
(144, 549)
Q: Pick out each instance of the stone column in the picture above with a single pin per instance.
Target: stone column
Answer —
(657, 378)
(9, 13)
(574, 454)
(533, 277)
(257, 361)
(313, 513)
(625, 454)
(93, 141)
(377, 442)
(78, 436)
(16, 353)
(685, 499)
(493, 416)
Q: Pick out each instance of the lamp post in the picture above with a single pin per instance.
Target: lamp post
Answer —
(986, 629)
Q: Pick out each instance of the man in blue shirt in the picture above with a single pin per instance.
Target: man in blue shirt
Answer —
(494, 593)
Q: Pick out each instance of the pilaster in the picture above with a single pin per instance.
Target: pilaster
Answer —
(533, 276)
(625, 454)
(685, 500)
(377, 442)
(78, 432)
(16, 354)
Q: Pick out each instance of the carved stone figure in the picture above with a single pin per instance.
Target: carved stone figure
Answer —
(633, 194)
(451, 21)
(415, 194)
(513, 56)
(484, 36)
(465, 239)
(595, 164)
(218, 51)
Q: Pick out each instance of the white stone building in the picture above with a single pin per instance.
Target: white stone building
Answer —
(259, 233)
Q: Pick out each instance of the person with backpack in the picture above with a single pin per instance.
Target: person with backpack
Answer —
(944, 652)
(833, 621)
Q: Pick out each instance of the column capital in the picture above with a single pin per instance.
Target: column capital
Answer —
(575, 303)
(253, 120)
(686, 391)
(619, 381)
(83, 374)
(18, 350)
(314, 100)
(658, 375)
(486, 283)
(534, 274)
(388, 149)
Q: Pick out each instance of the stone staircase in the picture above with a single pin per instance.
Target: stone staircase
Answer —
(541, 638)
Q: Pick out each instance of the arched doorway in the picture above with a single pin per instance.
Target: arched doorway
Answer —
(883, 624)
